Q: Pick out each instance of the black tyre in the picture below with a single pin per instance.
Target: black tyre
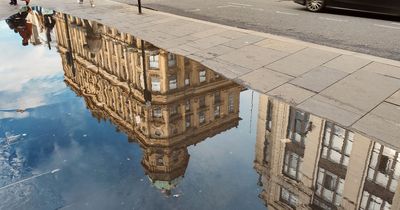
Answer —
(315, 5)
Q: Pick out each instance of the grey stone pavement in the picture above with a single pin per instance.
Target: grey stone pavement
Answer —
(358, 91)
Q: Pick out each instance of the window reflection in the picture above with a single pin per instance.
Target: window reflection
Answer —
(306, 162)
(114, 84)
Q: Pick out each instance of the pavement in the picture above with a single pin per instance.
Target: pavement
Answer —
(358, 91)
(355, 31)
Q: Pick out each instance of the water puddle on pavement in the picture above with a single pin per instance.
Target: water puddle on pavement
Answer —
(92, 118)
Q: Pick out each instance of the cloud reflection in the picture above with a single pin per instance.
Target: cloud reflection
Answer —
(29, 74)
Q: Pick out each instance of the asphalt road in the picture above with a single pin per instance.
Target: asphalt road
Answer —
(355, 31)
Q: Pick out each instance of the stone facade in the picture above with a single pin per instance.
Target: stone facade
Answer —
(188, 104)
(306, 162)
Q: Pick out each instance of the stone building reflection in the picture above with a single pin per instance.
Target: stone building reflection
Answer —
(189, 102)
(306, 162)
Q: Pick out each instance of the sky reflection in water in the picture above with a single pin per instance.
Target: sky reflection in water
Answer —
(98, 167)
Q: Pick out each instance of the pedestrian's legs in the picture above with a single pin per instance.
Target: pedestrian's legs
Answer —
(92, 3)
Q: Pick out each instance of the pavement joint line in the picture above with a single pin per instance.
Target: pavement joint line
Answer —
(290, 40)
(322, 65)
(384, 101)
(348, 74)
(265, 66)
(91, 14)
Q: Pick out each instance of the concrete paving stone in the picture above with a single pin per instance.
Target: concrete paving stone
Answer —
(243, 41)
(383, 69)
(382, 123)
(239, 70)
(395, 98)
(362, 90)
(291, 93)
(331, 109)
(175, 42)
(264, 79)
(188, 48)
(188, 29)
(231, 34)
(319, 78)
(203, 55)
(176, 23)
(197, 58)
(164, 20)
(179, 51)
(302, 61)
(178, 28)
(208, 42)
(252, 57)
(220, 68)
(162, 36)
(214, 51)
(209, 32)
(143, 25)
(280, 45)
(347, 63)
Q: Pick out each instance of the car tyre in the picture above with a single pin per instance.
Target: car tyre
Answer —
(315, 5)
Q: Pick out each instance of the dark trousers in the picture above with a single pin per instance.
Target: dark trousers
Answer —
(14, 2)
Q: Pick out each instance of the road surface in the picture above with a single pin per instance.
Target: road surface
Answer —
(377, 35)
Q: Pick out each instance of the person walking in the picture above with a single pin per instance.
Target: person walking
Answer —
(14, 2)
(19, 24)
(91, 2)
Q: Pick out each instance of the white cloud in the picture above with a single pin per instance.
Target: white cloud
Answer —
(29, 75)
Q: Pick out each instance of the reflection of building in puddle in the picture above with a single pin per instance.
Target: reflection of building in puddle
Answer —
(189, 102)
(306, 162)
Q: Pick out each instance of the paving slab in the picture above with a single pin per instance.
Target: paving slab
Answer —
(208, 42)
(209, 32)
(362, 90)
(319, 78)
(291, 93)
(231, 71)
(331, 109)
(383, 69)
(302, 61)
(243, 41)
(395, 98)
(382, 123)
(264, 79)
(232, 34)
(175, 42)
(347, 63)
(354, 98)
(214, 51)
(252, 57)
(280, 45)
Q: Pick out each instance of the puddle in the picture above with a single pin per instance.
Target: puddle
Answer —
(92, 118)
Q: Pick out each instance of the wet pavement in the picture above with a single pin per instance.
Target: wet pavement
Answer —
(94, 118)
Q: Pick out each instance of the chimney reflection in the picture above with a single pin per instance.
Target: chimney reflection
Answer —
(188, 102)
(306, 162)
